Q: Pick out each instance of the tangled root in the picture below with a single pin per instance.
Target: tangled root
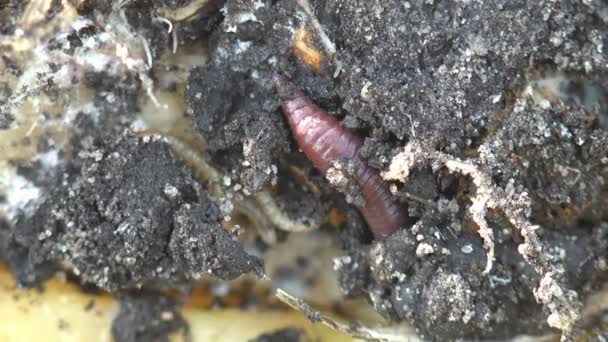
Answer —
(563, 303)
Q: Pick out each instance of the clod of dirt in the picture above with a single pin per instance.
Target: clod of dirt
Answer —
(353, 272)
(202, 246)
(153, 31)
(147, 316)
(438, 70)
(131, 215)
(436, 284)
(228, 111)
(560, 159)
(231, 98)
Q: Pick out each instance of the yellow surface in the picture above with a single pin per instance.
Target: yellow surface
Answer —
(57, 313)
(233, 325)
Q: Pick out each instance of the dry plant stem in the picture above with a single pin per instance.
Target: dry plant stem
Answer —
(353, 329)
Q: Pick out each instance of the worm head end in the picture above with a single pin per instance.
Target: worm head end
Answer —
(285, 89)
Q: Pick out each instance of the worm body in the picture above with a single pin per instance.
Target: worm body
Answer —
(323, 140)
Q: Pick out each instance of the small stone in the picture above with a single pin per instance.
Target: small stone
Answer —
(365, 95)
(467, 249)
(424, 249)
(227, 181)
(171, 191)
(166, 316)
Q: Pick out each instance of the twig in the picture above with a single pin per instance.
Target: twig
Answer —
(353, 329)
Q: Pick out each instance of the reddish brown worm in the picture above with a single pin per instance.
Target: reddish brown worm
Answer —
(323, 139)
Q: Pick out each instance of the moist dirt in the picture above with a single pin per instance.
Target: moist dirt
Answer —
(122, 211)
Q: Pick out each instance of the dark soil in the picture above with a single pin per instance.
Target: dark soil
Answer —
(283, 335)
(126, 213)
(130, 214)
(443, 73)
(6, 120)
(11, 11)
(147, 316)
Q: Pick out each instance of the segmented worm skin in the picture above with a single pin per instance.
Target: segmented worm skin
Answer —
(322, 139)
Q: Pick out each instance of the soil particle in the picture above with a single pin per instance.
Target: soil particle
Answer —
(6, 120)
(390, 259)
(283, 335)
(198, 28)
(147, 316)
(442, 293)
(114, 95)
(353, 273)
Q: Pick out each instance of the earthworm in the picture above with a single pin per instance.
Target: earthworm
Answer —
(324, 140)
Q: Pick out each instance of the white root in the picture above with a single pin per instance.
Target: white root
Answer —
(563, 303)
(167, 22)
(479, 203)
(147, 51)
(174, 39)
